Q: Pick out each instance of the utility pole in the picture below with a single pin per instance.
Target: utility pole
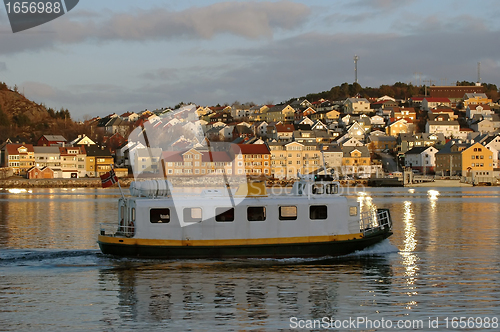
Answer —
(430, 83)
(418, 78)
(479, 73)
(451, 165)
(356, 58)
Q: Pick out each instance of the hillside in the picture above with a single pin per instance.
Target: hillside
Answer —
(22, 117)
(15, 106)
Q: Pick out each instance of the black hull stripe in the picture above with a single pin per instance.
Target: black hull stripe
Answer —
(320, 249)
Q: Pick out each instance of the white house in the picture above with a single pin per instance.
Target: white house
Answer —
(422, 159)
(260, 129)
(434, 102)
(492, 143)
(346, 140)
(357, 106)
(481, 109)
(483, 126)
(447, 128)
(377, 120)
(356, 130)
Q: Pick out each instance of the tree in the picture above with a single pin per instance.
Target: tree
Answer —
(354, 89)
(22, 120)
(4, 119)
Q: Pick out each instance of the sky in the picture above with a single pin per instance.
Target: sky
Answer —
(115, 56)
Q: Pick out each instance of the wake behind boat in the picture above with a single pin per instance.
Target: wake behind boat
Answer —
(313, 220)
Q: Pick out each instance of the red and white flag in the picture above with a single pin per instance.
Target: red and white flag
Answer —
(109, 179)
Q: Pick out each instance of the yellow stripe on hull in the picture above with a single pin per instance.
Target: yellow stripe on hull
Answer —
(228, 242)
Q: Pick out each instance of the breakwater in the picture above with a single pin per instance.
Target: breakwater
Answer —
(125, 183)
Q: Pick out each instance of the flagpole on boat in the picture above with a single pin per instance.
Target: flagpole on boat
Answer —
(121, 191)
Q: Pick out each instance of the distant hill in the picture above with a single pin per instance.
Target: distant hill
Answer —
(20, 110)
(22, 117)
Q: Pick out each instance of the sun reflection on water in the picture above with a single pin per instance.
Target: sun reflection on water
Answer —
(410, 259)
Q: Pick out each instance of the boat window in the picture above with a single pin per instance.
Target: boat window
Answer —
(353, 210)
(256, 213)
(132, 214)
(332, 189)
(224, 214)
(192, 214)
(317, 212)
(159, 216)
(122, 212)
(317, 189)
(288, 213)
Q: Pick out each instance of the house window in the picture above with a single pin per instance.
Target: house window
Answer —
(317, 212)
(159, 216)
(288, 213)
(224, 214)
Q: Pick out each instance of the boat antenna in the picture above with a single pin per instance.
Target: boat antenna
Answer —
(323, 159)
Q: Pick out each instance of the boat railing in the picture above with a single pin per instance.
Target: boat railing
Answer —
(375, 220)
(115, 230)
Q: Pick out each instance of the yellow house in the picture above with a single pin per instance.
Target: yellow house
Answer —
(280, 113)
(477, 158)
(258, 113)
(98, 160)
(256, 158)
(475, 99)
(199, 163)
(397, 127)
(289, 158)
(19, 157)
(355, 156)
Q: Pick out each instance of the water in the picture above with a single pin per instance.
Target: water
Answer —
(442, 262)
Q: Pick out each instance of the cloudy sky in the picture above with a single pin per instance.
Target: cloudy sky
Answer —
(122, 55)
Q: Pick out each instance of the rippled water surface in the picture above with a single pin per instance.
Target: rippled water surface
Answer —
(443, 261)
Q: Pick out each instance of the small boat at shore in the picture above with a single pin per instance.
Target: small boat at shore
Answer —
(311, 220)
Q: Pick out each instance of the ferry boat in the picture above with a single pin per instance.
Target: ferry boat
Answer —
(312, 220)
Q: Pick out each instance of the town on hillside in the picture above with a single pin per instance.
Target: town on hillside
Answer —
(451, 131)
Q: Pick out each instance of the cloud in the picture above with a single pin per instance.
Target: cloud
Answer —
(3, 66)
(287, 68)
(249, 20)
(381, 5)
(245, 19)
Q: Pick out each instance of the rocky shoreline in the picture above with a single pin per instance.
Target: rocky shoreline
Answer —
(125, 183)
(58, 183)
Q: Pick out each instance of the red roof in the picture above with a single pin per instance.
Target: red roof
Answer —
(12, 148)
(171, 156)
(443, 110)
(251, 149)
(437, 100)
(484, 106)
(64, 150)
(285, 128)
(215, 156)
